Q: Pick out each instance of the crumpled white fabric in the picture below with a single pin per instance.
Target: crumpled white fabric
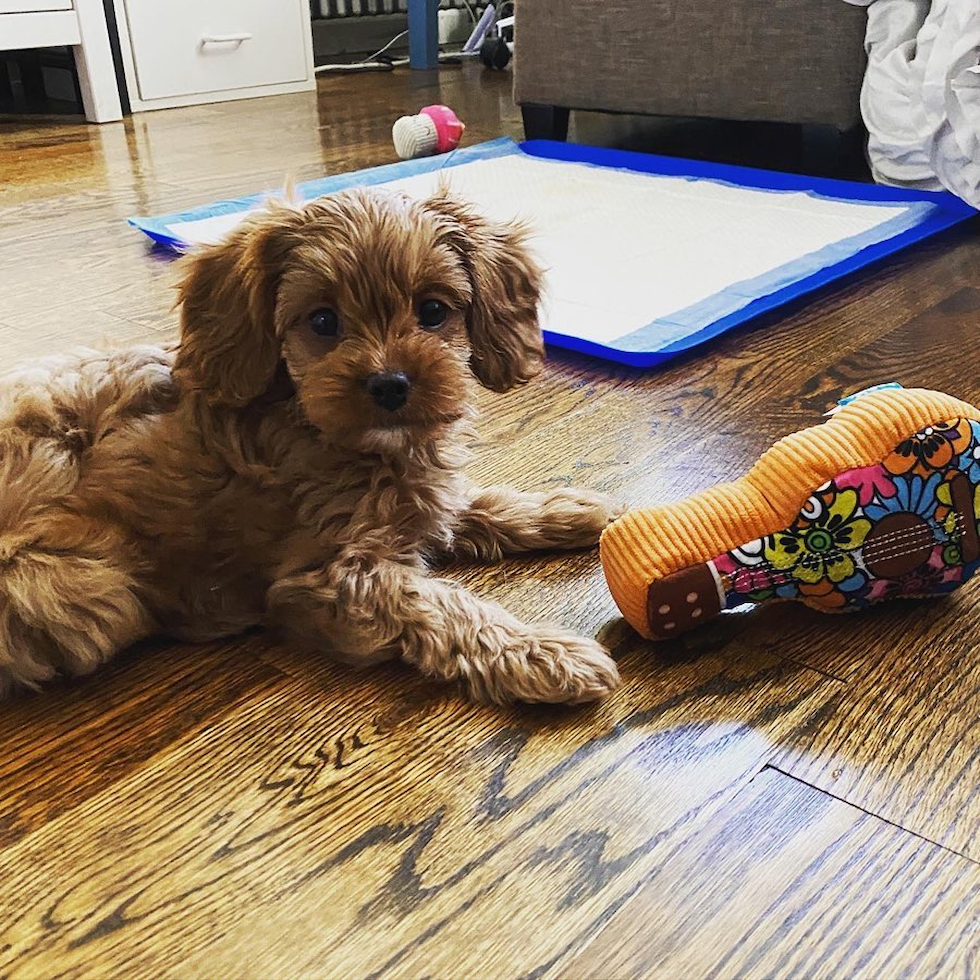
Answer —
(920, 100)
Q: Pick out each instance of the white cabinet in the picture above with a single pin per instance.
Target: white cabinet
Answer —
(184, 52)
(81, 25)
(32, 6)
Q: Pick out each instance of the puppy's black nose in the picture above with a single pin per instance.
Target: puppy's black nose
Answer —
(389, 389)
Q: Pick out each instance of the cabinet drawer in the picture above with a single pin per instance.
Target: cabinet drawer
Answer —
(32, 6)
(184, 47)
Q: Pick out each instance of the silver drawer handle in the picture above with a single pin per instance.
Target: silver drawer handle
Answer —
(235, 39)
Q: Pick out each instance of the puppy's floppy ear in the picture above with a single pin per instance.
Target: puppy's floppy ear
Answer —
(505, 337)
(228, 346)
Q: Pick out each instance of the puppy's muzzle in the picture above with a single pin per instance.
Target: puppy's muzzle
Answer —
(389, 389)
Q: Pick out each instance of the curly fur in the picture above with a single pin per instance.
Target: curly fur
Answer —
(247, 478)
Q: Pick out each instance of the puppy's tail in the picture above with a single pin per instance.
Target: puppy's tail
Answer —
(67, 600)
(63, 613)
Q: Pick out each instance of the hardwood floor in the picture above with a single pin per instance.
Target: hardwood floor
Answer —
(779, 795)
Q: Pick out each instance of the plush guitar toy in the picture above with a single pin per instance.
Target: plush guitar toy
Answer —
(880, 501)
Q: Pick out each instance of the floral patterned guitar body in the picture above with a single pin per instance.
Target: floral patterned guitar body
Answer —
(891, 507)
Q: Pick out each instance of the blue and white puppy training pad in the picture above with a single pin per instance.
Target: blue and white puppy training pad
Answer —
(648, 256)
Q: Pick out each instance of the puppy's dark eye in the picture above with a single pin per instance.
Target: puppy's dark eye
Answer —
(432, 313)
(325, 322)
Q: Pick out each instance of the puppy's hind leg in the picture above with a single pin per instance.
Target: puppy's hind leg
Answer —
(63, 611)
(500, 521)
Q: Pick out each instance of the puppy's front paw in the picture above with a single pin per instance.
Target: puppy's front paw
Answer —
(547, 664)
(575, 518)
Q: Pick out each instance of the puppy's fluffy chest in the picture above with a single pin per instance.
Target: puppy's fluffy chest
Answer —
(404, 506)
(232, 515)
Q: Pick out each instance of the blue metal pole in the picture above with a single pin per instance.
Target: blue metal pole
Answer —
(423, 33)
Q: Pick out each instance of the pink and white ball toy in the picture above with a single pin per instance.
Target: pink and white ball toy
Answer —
(436, 129)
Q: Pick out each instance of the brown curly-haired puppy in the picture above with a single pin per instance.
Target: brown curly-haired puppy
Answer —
(296, 461)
